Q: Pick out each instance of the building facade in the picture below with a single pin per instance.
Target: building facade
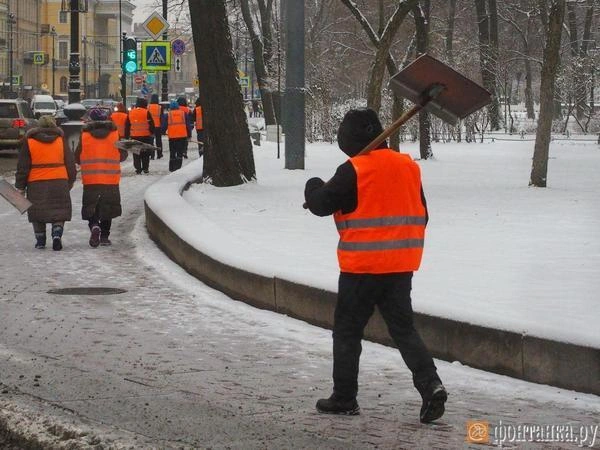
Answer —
(35, 46)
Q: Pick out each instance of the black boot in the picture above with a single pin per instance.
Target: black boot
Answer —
(333, 405)
(40, 240)
(434, 397)
(57, 232)
(94, 236)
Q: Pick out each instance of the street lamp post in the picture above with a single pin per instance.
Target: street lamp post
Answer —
(84, 41)
(165, 76)
(53, 34)
(11, 22)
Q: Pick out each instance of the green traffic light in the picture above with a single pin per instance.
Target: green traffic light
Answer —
(130, 66)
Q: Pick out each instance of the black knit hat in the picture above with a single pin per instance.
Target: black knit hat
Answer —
(358, 128)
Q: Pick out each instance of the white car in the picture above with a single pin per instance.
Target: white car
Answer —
(42, 105)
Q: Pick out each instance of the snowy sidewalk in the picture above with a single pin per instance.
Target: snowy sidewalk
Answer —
(171, 363)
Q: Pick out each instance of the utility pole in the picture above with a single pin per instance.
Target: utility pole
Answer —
(85, 66)
(74, 82)
(165, 75)
(122, 39)
(53, 33)
(294, 85)
(11, 22)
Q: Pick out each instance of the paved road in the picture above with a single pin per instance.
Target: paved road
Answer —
(171, 363)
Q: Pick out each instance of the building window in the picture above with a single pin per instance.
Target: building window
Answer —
(63, 17)
(63, 84)
(63, 50)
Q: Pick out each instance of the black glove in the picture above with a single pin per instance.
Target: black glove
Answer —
(311, 185)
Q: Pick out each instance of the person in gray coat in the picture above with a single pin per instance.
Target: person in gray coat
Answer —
(46, 172)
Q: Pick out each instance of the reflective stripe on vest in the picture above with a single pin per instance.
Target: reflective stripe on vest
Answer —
(176, 124)
(386, 232)
(100, 159)
(138, 118)
(119, 118)
(198, 112)
(47, 160)
(154, 109)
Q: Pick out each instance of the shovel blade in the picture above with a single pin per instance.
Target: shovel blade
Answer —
(14, 197)
(460, 97)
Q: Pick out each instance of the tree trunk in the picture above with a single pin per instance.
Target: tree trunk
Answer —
(228, 158)
(494, 52)
(450, 31)
(421, 16)
(539, 169)
(485, 58)
(382, 52)
(262, 50)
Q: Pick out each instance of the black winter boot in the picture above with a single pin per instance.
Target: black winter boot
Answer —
(334, 405)
(40, 240)
(95, 236)
(434, 397)
(57, 232)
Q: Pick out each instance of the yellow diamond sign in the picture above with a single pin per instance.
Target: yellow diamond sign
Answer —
(155, 25)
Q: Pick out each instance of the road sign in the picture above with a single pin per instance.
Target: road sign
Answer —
(16, 80)
(144, 90)
(156, 55)
(155, 25)
(38, 58)
(178, 64)
(244, 82)
(178, 47)
(138, 79)
(44, 86)
(196, 82)
(150, 78)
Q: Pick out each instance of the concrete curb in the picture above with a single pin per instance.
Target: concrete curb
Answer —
(530, 358)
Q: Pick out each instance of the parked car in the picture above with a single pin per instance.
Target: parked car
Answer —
(16, 117)
(42, 105)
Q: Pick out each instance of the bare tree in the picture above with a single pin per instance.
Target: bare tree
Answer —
(382, 45)
(539, 169)
(487, 25)
(259, 22)
(228, 158)
(421, 16)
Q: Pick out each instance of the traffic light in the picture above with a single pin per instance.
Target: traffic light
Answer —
(130, 63)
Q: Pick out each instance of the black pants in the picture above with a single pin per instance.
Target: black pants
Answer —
(357, 296)
(177, 148)
(142, 161)
(158, 141)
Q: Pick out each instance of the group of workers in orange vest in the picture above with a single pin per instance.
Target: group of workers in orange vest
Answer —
(46, 169)
(148, 122)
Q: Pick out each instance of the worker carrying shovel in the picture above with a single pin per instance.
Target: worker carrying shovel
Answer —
(379, 208)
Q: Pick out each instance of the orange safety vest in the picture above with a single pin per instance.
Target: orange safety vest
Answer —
(138, 118)
(100, 159)
(185, 109)
(198, 112)
(47, 160)
(154, 109)
(119, 118)
(176, 124)
(386, 232)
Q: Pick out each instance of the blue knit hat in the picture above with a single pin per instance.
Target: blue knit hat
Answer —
(98, 114)
(174, 105)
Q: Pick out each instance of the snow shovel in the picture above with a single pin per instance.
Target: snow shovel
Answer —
(13, 196)
(435, 87)
(134, 146)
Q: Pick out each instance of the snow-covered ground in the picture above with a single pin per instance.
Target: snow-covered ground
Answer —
(498, 252)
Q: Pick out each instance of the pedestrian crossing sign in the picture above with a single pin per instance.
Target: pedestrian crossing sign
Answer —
(156, 55)
(39, 58)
